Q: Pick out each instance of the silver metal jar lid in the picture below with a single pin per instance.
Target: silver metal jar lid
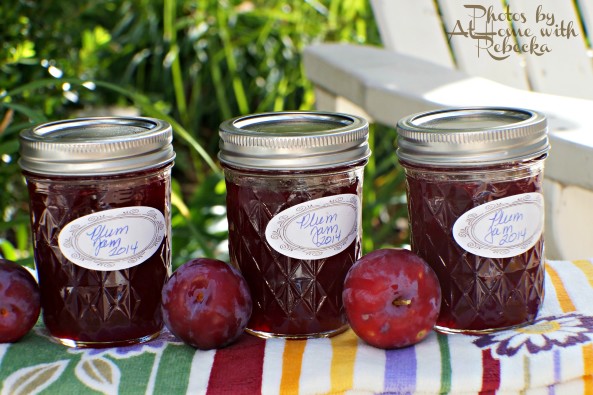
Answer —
(472, 136)
(96, 146)
(293, 140)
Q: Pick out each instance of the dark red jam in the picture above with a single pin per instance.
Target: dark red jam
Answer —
(291, 297)
(86, 307)
(478, 293)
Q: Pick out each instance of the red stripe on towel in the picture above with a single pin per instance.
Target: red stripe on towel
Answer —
(238, 369)
(490, 373)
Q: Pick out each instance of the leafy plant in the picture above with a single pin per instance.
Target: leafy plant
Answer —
(192, 63)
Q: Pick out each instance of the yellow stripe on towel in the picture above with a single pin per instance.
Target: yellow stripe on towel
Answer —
(567, 306)
(292, 361)
(587, 268)
(563, 298)
(344, 348)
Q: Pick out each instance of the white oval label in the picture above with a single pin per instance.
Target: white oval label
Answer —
(113, 239)
(316, 229)
(502, 228)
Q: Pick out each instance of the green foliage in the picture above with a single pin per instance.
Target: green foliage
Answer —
(192, 63)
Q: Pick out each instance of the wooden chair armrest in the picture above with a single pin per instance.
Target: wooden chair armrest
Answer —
(385, 86)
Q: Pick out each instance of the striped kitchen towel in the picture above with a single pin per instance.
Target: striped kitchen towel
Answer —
(554, 355)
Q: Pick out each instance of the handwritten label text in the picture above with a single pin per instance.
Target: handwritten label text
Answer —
(506, 228)
(113, 239)
(323, 229)
(315, 229)
(502, 228)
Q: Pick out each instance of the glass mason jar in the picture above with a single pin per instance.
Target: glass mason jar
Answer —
(474, 185)
(99, 194)
(294, 186)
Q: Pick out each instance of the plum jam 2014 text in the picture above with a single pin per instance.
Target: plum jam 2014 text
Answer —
(323, 229)
(104, 237)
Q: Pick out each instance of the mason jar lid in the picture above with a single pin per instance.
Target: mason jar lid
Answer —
(96, 146)
(293, 140)
(472, 136)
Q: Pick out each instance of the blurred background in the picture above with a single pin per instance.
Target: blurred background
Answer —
(193, 64)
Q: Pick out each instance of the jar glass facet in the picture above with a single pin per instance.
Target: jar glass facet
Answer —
(294, 189)
(101, 241)
(476, 215)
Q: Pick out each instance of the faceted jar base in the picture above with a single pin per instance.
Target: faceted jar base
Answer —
(452, 331)
(119, 343)
(268, 335)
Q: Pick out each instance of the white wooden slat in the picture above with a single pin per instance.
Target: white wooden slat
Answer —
(413, 28)
(388, 85)
(586, 8)
(478, 55)
(567, 69)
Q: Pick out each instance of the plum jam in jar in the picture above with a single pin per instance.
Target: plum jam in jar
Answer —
(294, 188)
(474, 186)
(99, 197)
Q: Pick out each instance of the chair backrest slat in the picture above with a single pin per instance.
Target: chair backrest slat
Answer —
(567, 69)
(413, 27)
(433, 30)
(473, 55)
(586, 10)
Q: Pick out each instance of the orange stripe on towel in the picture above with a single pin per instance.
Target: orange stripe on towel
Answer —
(588, 366)
(344, 355)
(563, 298)
(292, 361)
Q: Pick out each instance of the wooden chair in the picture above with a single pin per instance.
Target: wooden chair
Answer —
(442, 53)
